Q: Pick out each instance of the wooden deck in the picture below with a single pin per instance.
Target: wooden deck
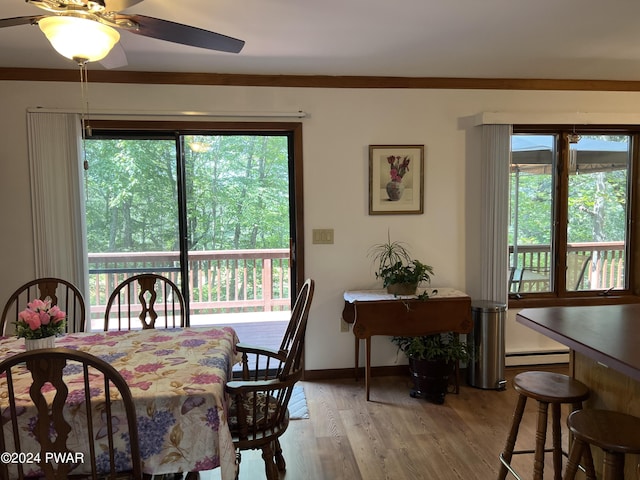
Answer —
(264, 329)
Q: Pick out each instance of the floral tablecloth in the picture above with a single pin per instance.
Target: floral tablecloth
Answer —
(177, 379)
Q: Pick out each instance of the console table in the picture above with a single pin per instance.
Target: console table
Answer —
(376, 312)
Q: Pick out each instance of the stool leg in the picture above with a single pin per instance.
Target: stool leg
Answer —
(541, 435)
(557, 441)
(587, 458)
(613, 466)
(507, 453)
(574, 458)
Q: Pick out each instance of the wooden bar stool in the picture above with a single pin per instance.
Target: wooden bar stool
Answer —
(615, 433)
(547, 388)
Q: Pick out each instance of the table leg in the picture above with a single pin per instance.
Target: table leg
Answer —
(457, 371)
(357, 349)
(367, 374)
(457, 377)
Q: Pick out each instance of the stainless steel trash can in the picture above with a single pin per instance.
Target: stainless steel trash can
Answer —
(486, 342)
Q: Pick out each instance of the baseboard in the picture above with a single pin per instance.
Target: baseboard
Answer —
(514, 359)
(335, 373)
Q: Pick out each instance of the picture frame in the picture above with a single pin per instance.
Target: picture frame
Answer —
(396, 179)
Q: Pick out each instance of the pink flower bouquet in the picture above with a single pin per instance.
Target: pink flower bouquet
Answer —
(40, 320)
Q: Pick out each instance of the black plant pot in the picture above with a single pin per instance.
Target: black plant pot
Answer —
(430, 378)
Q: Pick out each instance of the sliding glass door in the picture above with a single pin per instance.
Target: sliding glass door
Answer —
(238, 226)
(214, 211)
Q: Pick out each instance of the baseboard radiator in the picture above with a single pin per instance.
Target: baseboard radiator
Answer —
(542, 357)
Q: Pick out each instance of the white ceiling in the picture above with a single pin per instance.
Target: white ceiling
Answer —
(542, 39)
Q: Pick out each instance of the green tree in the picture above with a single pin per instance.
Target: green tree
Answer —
(236, 190)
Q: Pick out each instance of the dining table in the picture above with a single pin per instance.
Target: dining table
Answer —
(177, 379)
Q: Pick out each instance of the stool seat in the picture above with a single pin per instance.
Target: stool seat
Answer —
(550, 387)
(615, 433)
(547, 388)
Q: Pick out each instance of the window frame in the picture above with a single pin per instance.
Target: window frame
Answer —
(559, 295)
(172, 129)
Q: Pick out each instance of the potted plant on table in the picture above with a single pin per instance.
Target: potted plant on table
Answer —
(432, 361)
(400, 274)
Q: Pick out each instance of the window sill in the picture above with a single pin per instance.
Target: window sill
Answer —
(532, 302)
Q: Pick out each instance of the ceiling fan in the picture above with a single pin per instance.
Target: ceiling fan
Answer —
(103, 18)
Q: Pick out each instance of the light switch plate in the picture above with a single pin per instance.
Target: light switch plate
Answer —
(323, 236)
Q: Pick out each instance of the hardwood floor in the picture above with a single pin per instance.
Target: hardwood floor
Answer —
(397, 437)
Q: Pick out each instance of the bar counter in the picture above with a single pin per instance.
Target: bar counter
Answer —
(605, 355)
(607, 334)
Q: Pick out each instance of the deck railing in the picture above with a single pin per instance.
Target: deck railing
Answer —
(590, 266)
(222, 281)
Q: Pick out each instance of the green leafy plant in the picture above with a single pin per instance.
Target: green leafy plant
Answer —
(394, 264)
(444, 346)
(413, 272)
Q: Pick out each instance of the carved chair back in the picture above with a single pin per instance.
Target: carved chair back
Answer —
(95, 413)
(147, 300)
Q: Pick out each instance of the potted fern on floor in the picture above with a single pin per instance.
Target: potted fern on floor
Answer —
(432, 362)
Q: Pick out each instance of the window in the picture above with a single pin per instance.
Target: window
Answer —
(570, 206)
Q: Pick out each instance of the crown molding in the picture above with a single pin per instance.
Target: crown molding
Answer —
(316, 81)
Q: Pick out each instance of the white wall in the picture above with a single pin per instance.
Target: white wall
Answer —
(336, 134)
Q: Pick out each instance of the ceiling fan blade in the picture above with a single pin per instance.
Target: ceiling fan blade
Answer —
(119, 5)
(10, 22)
(116, 58)
(183, 34)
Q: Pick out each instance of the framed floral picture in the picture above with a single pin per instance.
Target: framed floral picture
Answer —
(396, 179)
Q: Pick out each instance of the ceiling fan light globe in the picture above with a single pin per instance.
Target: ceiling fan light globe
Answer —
(79, 38)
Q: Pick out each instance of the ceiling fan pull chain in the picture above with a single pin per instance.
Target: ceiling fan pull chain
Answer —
(84, 113)
(84, 86)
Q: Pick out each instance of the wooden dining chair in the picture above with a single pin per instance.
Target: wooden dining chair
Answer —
(258, 413)
(147, 300)
(95, 411)
(63, 293)
(577, 265)
(515, 280)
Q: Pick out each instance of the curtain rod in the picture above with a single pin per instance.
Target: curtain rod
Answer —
(577, 118)
(95, 113)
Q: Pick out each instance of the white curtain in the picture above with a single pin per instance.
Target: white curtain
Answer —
(57, 202)
(496, 153)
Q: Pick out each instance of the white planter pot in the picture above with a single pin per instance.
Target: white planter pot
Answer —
(37, 343)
